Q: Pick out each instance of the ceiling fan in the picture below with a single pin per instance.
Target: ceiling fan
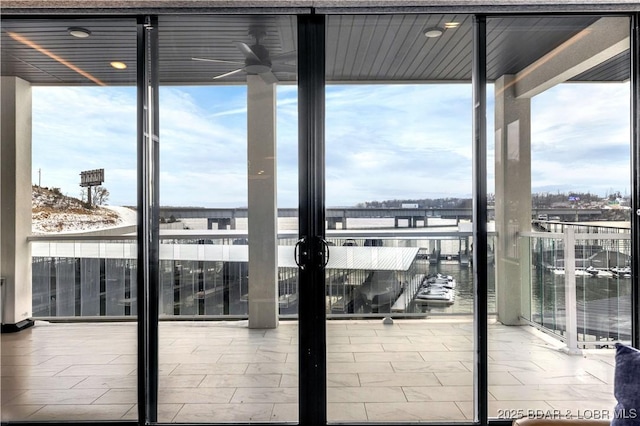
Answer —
(257, 60)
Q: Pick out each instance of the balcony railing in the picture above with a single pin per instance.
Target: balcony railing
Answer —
(579, 284)
(204, 274)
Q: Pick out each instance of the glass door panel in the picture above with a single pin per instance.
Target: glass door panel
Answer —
(228, 129)
(562, 173)
(73, 168)
(399, 288)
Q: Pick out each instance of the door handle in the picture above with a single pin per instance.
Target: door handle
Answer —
(325, 252)
(301, 252)
(300, 242)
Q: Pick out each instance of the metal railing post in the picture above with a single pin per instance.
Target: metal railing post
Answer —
(570, 302)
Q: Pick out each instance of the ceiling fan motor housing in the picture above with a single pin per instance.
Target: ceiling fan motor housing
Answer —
(262, 65)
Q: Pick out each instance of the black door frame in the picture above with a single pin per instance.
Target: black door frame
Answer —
(312, 316)
(148, 234)
(312, 382)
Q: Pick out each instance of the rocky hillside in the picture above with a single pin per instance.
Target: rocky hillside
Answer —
(53, 211)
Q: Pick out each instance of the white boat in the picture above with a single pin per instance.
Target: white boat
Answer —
(595, 272)
(435, 295)
(623, 272)
(576, 272)
(442, 280)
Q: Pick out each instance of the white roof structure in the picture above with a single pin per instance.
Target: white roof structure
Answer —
(340, 257)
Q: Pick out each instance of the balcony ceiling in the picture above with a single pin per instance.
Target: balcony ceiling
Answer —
(360, 48)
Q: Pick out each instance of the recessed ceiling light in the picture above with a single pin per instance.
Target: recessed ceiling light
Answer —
(79, 32)
(119, 65)
(433, 32)
(451, 25)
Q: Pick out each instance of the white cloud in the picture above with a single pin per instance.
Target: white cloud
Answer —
(581, 138)
(395, 141)
(382, 141)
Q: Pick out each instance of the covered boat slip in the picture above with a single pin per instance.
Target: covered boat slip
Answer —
(205, 279)
(345, 257)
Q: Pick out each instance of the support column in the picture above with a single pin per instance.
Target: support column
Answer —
(263, 212)
(15, 203)
(513, 195)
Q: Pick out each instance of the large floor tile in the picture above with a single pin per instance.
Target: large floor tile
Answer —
(398, 379)
(346, 412)
(59, 397)
(241, 381)
(217, 413)
(413, 411)
(438, 393)
(93, 412)
(264, 395)
(366, 394)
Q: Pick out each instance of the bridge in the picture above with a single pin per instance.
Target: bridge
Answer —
(224, 218)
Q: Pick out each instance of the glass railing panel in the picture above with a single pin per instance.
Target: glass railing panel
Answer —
(65, 295)
(94, 278)
(602, 285)
(546, 283)
(118, 289)
(90, 287)
(603, 289)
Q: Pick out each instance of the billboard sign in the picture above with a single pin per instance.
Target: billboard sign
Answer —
(92, 177)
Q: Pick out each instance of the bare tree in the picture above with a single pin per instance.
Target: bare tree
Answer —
(100, 195)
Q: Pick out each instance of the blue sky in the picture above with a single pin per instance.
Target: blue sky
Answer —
(383, 141)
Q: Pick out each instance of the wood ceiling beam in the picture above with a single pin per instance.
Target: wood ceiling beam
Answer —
(592, 46)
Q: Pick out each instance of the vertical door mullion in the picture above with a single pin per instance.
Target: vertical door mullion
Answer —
(311, 307)
(635, 178)
(479, 83)
(148, 219)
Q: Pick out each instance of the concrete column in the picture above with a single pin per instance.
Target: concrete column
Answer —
(263, 212)
(15, 203)
(513, 195)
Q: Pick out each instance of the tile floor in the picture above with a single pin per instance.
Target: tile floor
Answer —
(413, 370)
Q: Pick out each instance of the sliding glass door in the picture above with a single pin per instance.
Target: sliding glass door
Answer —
(563, 253)
(340, 218)
(399, 285)
(68, 153)
(228, 281)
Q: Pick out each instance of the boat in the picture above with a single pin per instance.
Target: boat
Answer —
(446, 281)
(622, 272)
(435, 295)
(596, 272)
(380, 289)
(592, 271)
(437, 289)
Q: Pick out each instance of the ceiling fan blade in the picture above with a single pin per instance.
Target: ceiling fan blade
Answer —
(227, 74)
(246, 51)
(268, 77)
(285, 57)
(284, 68)
(218, 61)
